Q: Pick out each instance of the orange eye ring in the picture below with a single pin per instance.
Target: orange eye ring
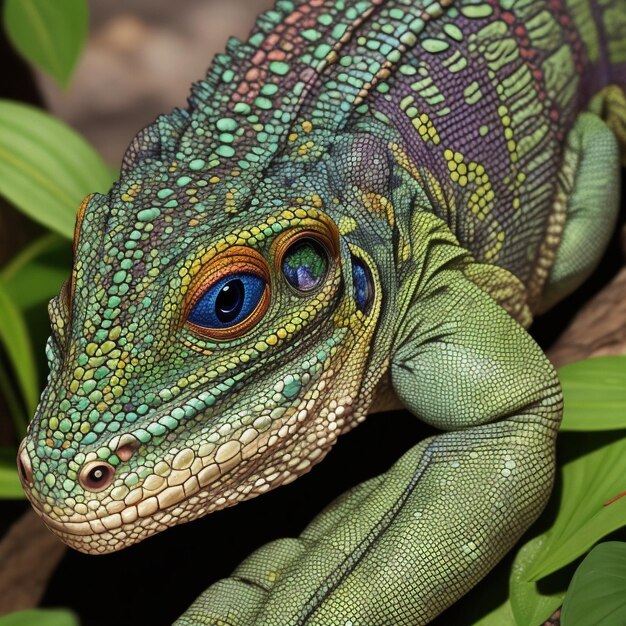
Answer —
(233, 262)
(309, 277)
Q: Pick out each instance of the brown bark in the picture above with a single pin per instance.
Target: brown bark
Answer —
(29, 553)
(598, 329)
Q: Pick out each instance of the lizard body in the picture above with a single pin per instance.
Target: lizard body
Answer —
(362, 197)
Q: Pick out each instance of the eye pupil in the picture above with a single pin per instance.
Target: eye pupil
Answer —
(305, 265)
(97, 476)
(229, 301)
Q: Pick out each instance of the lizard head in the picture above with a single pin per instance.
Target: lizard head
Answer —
(211, 344)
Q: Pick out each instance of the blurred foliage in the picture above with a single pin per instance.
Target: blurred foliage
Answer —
(10, 487)
(594, 387)
(46, 169)
(40, 617)
(15, 340)
(50, 35)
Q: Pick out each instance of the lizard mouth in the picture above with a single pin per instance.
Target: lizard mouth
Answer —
(115, 531)
(145, 511)
(205, 485)
(189, 482)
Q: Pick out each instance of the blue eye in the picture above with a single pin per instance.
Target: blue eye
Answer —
(363, 285)
(229, 301)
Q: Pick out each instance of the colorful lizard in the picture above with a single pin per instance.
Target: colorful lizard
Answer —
(365, 202)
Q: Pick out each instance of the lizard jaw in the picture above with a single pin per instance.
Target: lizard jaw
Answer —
(211, 488)
(135, 523)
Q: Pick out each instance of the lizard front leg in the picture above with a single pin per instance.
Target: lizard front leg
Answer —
(400, 548)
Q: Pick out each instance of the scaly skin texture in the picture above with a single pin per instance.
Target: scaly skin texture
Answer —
(441, 156)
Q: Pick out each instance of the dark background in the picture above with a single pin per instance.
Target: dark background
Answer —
(153, 582)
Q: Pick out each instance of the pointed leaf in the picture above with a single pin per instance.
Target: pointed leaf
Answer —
(49, 34)
(597, 593)
(40, 617)
(592, 502)
(16, 341)
(37, 273)
(595, 394)
(502, 616)
(529, 606)
(46, 168)
(10, 487)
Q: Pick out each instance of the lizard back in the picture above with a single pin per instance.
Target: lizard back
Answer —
(478, 97)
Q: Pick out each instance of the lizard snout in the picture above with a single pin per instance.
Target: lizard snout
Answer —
(24, 466)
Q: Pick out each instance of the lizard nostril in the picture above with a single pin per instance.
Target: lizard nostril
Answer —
(96, 476)
(24, 467)
(126, 451)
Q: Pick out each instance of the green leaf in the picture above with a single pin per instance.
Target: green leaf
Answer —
(597, 593)
(529, 606)
(12, 401)
(10, 487)
(592, 502)
(46, 168)
(49, 34)
(16, 341)
(502, 616)
(37, 273)
(595, 394)
(40, 617)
